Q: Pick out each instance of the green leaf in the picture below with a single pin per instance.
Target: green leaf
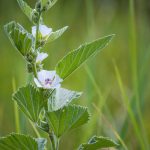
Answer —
(97, 143)
(30, 101)
(76, 58)
(68, 118)
(21, 142)
(28, 11)
(47, 4)
(19, 37)
(61, 97)
(55, 35)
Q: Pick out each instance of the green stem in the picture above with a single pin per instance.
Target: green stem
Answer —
(52, 139)
(37, 31)
(35, 44)
(57, 146)
(34, 70)
(34, 128)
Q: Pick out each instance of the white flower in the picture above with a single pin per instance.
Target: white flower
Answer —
(44, 30)
(48, 79)
(40, 57)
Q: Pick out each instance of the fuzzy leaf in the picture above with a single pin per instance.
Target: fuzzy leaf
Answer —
(47, 4)
(76, 58)
(97, 143)
(61, 97)
(68, 118)
(55, 35)
(19, 37)
(30, 101)
(21, 142)
(28, 11)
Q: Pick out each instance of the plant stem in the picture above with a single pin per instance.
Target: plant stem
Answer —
(35, 44)
(37, 30)
(34, 70)
(57, 144)
(34, 128)
(52, 139)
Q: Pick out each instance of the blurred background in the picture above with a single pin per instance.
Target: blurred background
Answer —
(116, 83)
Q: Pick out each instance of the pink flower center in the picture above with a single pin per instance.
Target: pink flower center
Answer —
(48, 81)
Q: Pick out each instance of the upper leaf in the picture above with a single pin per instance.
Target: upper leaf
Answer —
(55, 35)
(61, 97)
(47, 4)
(21, 142)
(69, 117)
(30, 101)
(97, 143)
(76, 58)
(19, 37)
(28, 11)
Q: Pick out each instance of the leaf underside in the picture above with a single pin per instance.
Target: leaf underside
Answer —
(28, 11)
(68, 118)
(76, 58)
(61, 97)
(30, 101)
(55, 35)
(19, 37)
(97, 143)
(21, 142)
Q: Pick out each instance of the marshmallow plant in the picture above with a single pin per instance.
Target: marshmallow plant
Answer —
(44, 101)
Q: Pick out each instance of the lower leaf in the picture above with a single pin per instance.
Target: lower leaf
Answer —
(16, 141)
(68, 118)
(97, 143)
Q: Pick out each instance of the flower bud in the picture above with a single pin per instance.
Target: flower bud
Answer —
(46, 6)
(44, 126)
(41, 43)
(30, 68)
(35, 16)
(29, 57)
(38, 6)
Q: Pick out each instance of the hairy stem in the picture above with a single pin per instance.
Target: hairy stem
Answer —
(52, 139)
(35, 44)
(37, 31)
(34, 70)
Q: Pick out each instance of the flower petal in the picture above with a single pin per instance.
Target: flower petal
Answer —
(37, 82)
(40, 57)
(48, 79)
(44, 30)
(34, 31)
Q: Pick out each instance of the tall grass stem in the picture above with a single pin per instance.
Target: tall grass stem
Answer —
(134, 66)
(16, 111)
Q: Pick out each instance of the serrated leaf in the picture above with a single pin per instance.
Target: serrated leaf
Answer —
(76, 58)
(68, 118)
(19, 37)
(28, 11)
(21, 142)
(97, 143)
(55, 35)
(61, 97)
(30, 101)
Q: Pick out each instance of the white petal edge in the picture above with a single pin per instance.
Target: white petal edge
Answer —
(40, 57)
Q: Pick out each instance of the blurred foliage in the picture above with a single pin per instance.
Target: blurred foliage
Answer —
(87, 20)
